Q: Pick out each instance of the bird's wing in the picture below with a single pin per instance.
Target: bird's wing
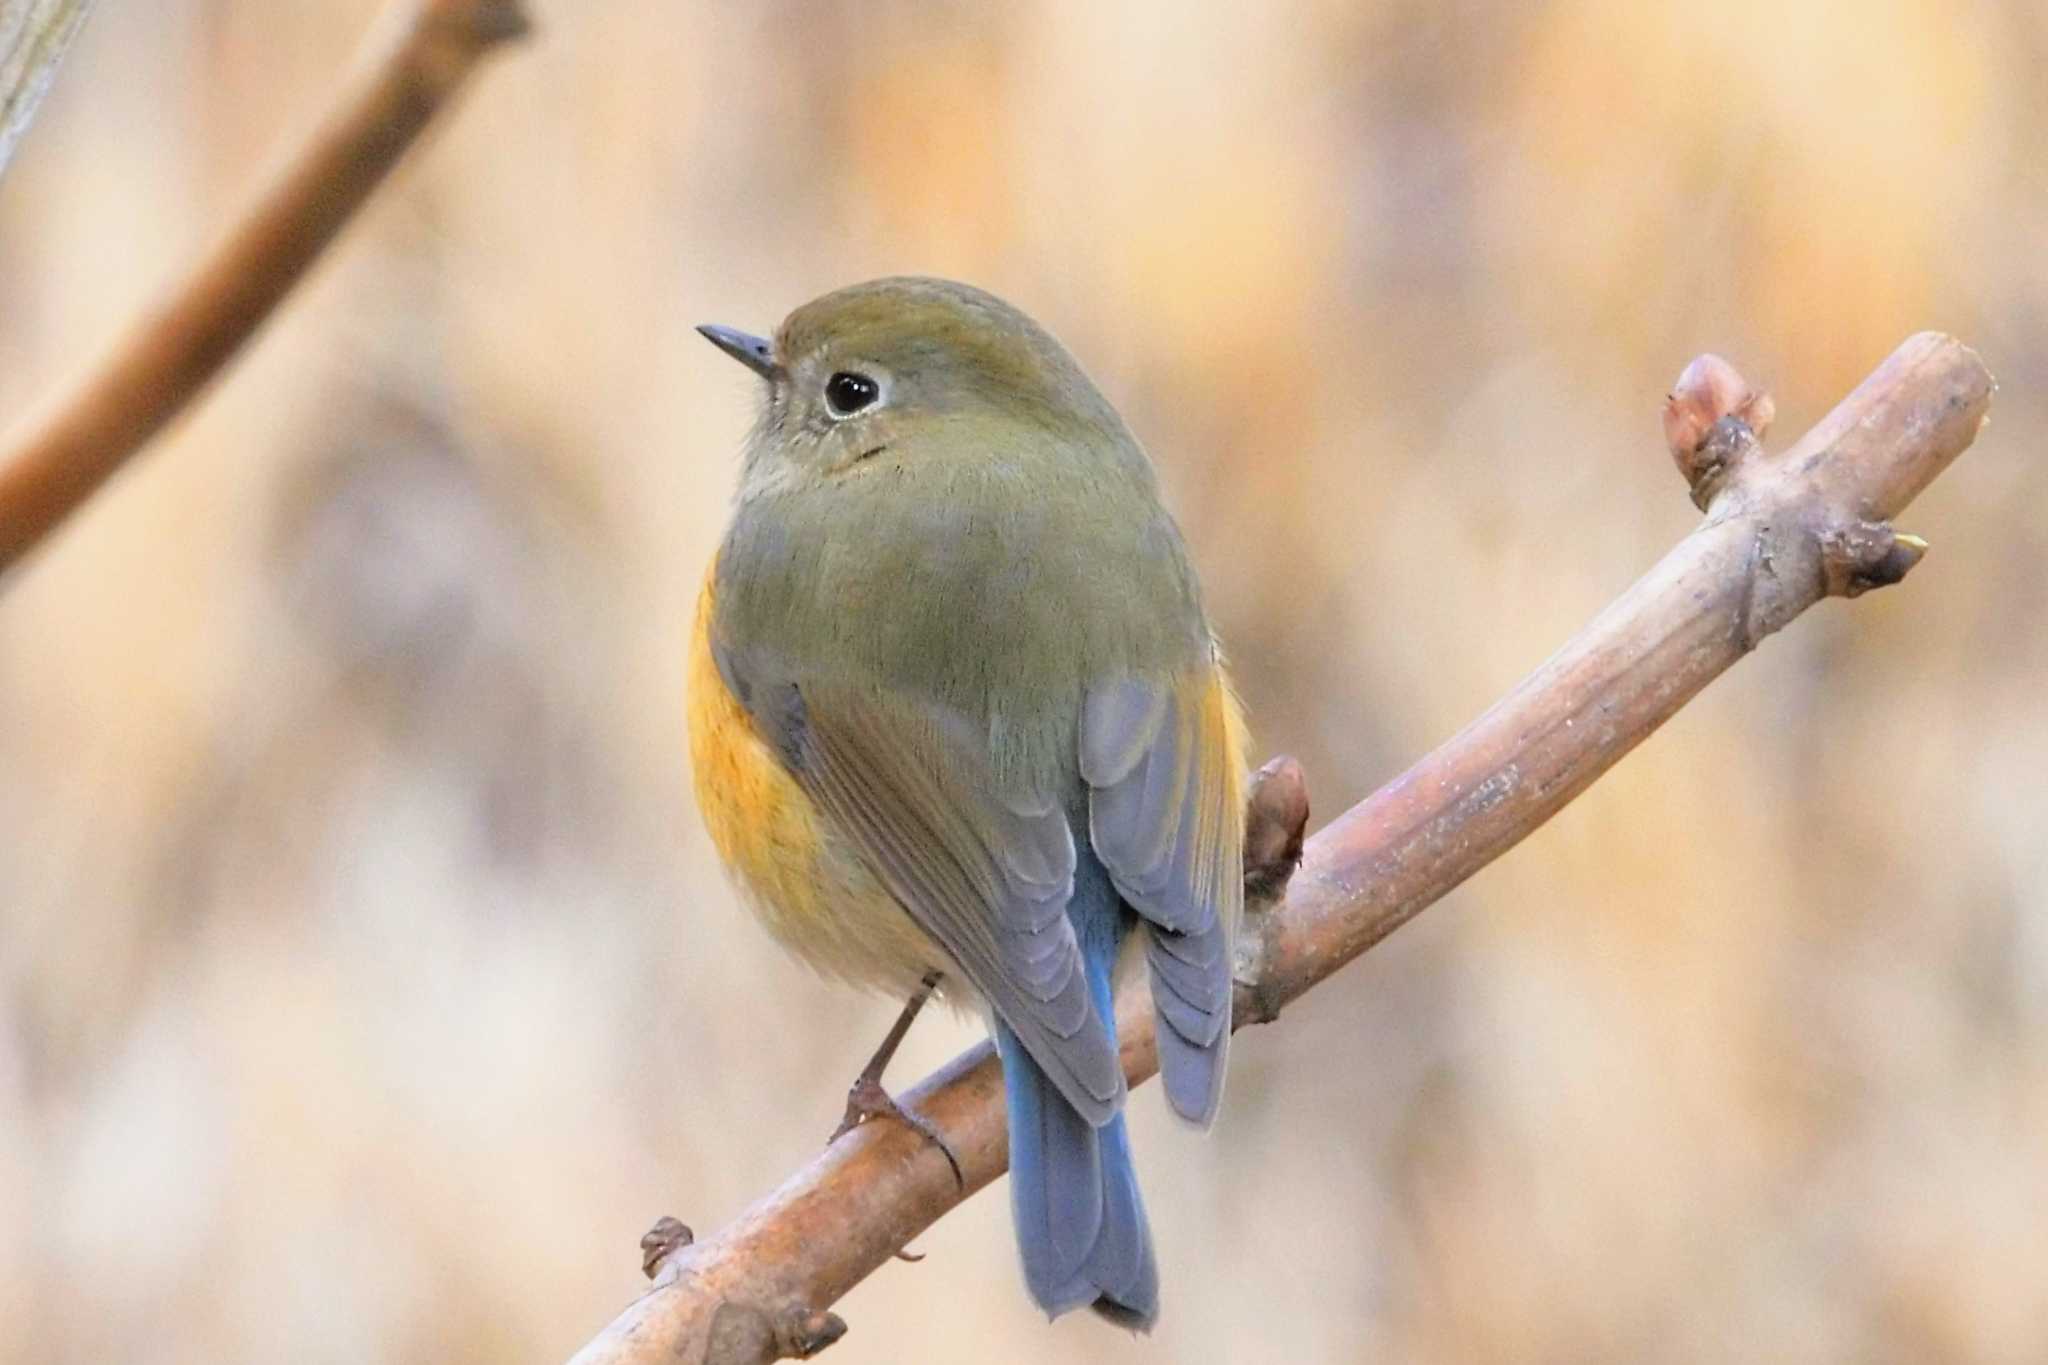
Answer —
(989, 878)
(1166, 817)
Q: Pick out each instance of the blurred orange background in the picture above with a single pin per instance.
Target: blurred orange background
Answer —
(366, 982)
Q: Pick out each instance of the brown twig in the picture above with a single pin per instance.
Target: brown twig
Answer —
(417, 58)
(1781, 532)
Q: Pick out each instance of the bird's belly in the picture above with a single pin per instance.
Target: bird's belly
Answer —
(804, 881)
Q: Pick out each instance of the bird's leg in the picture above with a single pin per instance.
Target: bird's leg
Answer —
(866, 1099)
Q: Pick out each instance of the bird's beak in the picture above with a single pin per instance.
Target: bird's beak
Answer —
(756, 353)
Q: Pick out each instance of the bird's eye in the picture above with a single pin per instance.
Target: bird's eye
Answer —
(847, 393)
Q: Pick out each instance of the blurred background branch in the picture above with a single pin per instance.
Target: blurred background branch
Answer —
(419, 56)
(34, 36)
(1781, 533)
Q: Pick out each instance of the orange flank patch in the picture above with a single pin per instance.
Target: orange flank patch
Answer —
(808, 887)
(763, 824)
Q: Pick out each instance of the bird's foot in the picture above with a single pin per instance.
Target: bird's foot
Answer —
(866, 1099)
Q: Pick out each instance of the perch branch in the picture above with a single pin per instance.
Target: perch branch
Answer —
(1781, 532)
(417, 58)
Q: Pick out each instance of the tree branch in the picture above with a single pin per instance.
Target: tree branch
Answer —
(418, 56)
(1781, 532)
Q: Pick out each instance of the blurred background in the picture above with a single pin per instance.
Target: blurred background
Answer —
(367, 985)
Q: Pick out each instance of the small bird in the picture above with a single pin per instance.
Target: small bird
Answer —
(958, 720)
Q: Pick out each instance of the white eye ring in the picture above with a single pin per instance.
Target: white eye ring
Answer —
(848, 392)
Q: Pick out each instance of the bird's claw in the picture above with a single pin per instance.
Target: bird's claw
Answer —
(866, 1099)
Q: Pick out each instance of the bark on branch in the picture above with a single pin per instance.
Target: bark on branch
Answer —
(419, 55)
(1781, 532)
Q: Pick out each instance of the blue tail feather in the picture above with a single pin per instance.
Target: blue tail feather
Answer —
(1074, 1194)
(1073, 1190)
